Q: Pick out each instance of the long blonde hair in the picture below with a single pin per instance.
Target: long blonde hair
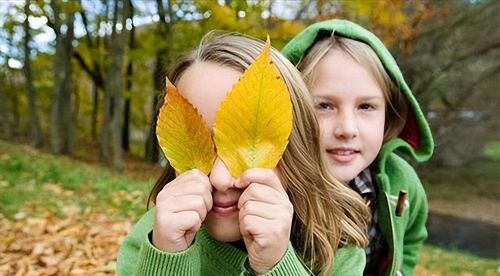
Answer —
(397, 107)
(327, 214)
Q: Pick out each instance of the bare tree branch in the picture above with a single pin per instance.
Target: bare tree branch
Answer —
(97, 77)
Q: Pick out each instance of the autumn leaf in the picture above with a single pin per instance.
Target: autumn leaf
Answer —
(183, 136)
(80, 244)
(254, 121)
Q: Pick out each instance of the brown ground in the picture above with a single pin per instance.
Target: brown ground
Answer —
(476, 208)
(48, 245)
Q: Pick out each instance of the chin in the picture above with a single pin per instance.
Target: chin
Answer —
(225, 235)
(343, 176)
(224, 231)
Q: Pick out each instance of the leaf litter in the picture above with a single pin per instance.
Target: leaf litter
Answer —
(78, 244)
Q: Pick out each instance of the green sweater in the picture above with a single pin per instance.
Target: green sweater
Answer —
(404, 233)
(207, 256)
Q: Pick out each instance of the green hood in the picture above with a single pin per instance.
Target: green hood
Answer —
(415, 138)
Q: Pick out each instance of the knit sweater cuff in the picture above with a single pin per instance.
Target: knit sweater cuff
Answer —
(290, 264)
(153, 261)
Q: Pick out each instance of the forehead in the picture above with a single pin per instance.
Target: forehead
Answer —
(338, 72)
(205, 85)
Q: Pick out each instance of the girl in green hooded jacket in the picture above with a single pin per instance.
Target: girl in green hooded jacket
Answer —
(366, 112)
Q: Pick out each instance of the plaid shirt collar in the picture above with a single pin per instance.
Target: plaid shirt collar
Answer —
(363, 184)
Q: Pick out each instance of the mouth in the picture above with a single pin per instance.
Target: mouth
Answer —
(342, 155)
(225, 208)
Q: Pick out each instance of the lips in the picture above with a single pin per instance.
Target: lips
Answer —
(342, 154)
(225, 208)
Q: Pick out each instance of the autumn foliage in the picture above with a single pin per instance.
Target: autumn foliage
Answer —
(48, 245)
(251, 129)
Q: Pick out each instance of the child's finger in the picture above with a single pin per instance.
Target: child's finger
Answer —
(188, 220)
(187, 203)
(252, 225)
(190, 184)
(262, 193)
(194, 189)
(261, 209)
(173, 238)
(257, 175)
(193, 175)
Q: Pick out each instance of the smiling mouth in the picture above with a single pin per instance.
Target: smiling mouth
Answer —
(342, 151)
(342, 155)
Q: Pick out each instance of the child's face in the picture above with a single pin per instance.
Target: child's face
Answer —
(205, 85)
(351, 111)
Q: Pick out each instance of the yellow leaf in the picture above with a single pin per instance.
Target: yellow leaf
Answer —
(183, 136)
(254, 121)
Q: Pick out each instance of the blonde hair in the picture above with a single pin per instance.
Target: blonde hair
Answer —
(397, 107)
(327, 214)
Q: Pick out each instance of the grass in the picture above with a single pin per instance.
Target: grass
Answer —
(478, 180)
(459, 184)
(492, 150)
(39, 183)
(46, 183)
(469, 192)
(437, 261)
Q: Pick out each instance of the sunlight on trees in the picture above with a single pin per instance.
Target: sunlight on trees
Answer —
(97, 72)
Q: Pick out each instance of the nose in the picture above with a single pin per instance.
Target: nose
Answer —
(345, 126)
(220, 177)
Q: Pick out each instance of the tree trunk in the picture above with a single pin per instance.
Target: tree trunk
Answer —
(116, 47)
(106, 125)
(116, 88)
(95, 110)
(152, 153)
(16, 113)
(107, 107)
(128, 88)
(5, 118)
(93, 68)
(62, 115)
(152, 148)
(35, 131)
(126, 126)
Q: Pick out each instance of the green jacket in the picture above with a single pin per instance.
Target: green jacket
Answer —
(404, 233)
(206, 256)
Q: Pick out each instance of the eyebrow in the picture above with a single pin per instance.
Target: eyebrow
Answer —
(373, 98)
(364, 98)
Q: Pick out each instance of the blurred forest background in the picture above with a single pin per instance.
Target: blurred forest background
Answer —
(80, 79)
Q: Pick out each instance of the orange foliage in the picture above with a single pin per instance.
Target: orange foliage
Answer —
(393, 21)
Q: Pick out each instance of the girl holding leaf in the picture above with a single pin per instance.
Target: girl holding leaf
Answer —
(242, 193)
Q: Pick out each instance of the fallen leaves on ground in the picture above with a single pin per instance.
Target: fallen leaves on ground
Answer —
(78, 244)
(421, 271)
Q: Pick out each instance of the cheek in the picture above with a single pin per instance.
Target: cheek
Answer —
(372, 127)
(378, 128)
(325, 127)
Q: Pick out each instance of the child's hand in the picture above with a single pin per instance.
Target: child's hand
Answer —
(265, 218)
(181, 207)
